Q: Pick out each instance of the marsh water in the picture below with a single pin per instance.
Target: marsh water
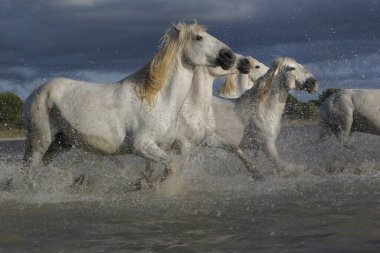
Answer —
(328, 202)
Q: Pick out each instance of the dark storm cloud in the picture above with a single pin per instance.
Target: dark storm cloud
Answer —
(40, 39)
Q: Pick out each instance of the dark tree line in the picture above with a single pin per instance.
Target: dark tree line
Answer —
(296, 109)
(10, 111)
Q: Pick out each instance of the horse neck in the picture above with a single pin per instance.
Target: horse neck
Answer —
(242, 83)
(177, 86)
(279, 91)
(272, 102)
(276, 99)
(200, 94)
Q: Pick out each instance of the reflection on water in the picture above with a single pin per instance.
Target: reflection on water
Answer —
(330, 202)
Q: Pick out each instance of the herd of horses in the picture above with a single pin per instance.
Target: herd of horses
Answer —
(169, 105)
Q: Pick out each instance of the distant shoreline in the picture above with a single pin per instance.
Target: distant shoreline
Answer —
(299, 122)
(10, 134)
(21, 138)
(19, 134)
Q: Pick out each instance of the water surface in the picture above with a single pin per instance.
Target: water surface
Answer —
(329, 203)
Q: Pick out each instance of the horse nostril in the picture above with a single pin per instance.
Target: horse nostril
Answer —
(227, 53)
(226, 58)
(311, 81)
(244, 66)
(244, 61)
(311, 84)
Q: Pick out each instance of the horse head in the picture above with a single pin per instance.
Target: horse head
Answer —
(296, 76)
(257, 70)
(202, 49)
(185, 43)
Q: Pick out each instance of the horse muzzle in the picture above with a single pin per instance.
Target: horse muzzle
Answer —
(226, 58)
(311, 85)
(244, 66)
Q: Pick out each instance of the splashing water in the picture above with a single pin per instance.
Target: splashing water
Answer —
(329, 202)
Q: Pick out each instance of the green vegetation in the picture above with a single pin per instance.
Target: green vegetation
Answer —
(297, 110)
(10, 112)
(325, 94)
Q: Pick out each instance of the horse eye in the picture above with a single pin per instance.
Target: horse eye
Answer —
(291, 68)
(198, 37)
(257, 66)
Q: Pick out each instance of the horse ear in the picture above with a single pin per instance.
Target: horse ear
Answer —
(175, 30)
(177, 27)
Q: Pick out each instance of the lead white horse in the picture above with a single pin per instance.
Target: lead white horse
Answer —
(258, 111)
(346, 111)
(139, 114)
(236, 84)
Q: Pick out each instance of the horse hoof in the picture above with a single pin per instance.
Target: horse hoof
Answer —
(79, 180)
(286, 172)
(142, 183)
(6, 185)
(137, 186)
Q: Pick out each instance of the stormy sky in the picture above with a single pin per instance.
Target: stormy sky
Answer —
(105, 40)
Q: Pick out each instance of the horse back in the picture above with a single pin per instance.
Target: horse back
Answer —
(95, 114)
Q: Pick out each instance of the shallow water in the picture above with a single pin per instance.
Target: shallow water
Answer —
(329, 203)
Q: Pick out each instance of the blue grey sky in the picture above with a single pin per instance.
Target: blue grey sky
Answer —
(105, 40)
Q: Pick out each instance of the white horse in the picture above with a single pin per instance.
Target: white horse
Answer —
(236, 84)
(139, 114)
(197, 121)
(260, 108)
(346, 111)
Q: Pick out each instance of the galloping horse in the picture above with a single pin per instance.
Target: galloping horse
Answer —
(138, 114)
(197, 120)
(236, 84)
(346, 111)
(260, 108)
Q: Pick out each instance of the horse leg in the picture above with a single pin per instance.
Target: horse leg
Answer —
(36, 146)
(238, 152)
(270, 151)
(344, 130)
(324, 132)
(58, 146)
(151, 151)
(35, 149)
(145, 181)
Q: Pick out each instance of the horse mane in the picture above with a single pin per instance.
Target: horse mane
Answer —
(158, 69)
(326, 94)
(262, 87)
(229, 85)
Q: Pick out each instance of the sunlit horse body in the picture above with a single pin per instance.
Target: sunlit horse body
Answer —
(236, 84)
(346, 111)
(260, 108)
(137, 115)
